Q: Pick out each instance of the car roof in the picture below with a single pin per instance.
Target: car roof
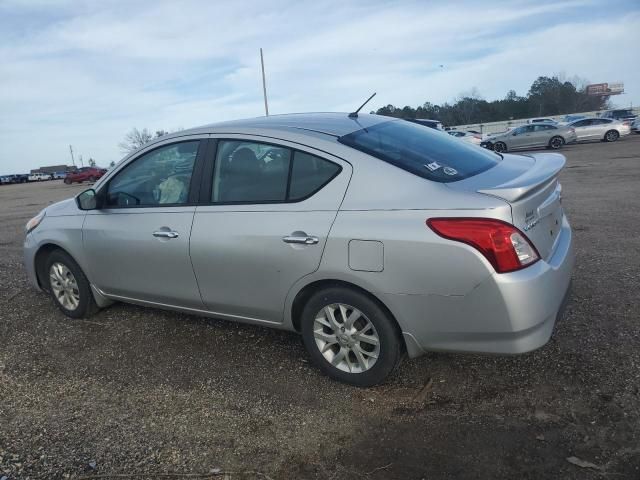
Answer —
(335, 124)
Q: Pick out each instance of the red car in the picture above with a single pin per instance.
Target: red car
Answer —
(85, 173)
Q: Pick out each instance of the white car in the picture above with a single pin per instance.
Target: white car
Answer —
(474, 138)
(39, 177)
(603, 129)
(547, 120)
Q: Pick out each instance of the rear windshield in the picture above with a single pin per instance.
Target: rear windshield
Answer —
(423, 151)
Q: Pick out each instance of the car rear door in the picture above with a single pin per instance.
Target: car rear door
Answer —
(270, 207)
(138, 241)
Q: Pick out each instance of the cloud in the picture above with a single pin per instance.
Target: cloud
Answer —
(84, 73)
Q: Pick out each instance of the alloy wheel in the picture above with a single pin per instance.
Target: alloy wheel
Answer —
(346, 338)
(64, 286)
(500, 147)
(612, 136)
(556, 142)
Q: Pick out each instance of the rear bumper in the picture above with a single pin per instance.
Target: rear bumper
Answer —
(505, 314)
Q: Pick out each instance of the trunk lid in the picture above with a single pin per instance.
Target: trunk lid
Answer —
(529, 183)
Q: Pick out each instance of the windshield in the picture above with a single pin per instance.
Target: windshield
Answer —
(423, 151)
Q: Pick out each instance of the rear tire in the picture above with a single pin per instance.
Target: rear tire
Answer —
(556, 143)
(350, 337)
(500, 147)
(611, 136)
(69, 286)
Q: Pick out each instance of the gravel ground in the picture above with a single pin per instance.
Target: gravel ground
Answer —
(149, 392)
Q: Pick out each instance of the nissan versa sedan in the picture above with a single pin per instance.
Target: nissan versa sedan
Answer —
(372, 237)
(531, 136)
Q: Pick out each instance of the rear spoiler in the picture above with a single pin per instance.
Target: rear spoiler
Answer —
(545, 170)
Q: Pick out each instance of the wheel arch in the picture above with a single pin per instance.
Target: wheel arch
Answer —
(610, 131)
(39, 258)
(39, 261)
(303, 295)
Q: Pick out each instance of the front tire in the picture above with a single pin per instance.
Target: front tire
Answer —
(556, 143)
(92, 179)
(350, 337)
(500, 147)
(611, 136)
(67, 181)
(69, 286)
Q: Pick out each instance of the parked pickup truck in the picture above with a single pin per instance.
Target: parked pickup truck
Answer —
(39, 177)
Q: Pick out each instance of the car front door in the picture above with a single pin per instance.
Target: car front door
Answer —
(270, 209)
(520, 138)
(582, 128)
(138, 241)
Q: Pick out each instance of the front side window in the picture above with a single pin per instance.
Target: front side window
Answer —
(159, 177)
(422, 151)
(254, 172)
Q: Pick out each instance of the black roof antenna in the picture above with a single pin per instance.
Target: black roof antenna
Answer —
(355, 114)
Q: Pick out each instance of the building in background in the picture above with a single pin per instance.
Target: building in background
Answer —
(55, 168)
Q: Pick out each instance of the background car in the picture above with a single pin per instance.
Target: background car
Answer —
(571, 118)
(635, 126)
(40, 177)
(436, 124)
(473, 138)
(603, 129)
(84, 174)
(59, 175)
(531, 136)
(625, 115)
(542, 120)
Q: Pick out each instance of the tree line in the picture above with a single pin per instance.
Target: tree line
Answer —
(547, 96)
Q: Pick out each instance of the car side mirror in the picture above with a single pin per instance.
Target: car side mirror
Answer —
(88, 200)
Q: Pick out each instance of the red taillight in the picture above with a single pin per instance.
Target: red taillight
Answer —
(502, 244)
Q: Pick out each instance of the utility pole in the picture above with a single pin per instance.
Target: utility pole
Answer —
(81, 162)
(264, 85)
(72, 159)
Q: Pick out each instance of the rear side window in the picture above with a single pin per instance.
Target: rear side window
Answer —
(309, 174)
(255, 172)
(423, 151)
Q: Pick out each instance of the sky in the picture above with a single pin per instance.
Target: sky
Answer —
(84, 73)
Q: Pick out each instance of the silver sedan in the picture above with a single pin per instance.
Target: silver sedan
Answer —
(603, 129)
(372, 237)
(532, 136)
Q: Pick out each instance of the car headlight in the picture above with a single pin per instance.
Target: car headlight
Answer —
(35, 221)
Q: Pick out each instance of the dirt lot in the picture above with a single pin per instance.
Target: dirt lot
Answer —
(142, 391)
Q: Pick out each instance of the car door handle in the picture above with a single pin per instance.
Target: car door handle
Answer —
(166, 234)
(301, 239)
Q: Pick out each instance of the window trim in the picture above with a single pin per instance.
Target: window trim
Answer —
(206, 191)
(194, 183)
